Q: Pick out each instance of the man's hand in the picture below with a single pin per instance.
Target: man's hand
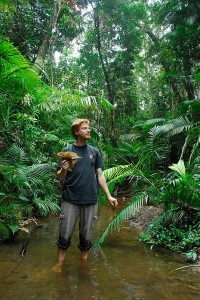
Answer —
(65, 164)
(63, 169)
(113, 201)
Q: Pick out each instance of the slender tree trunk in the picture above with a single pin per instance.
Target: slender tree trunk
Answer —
(44, 48)
(190, 90)
(111, 96)
(189, 87)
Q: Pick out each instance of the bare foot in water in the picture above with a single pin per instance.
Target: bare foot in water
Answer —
(84, 255)
(57, 268)
(60, 261)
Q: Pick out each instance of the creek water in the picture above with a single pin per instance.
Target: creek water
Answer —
(124, 268)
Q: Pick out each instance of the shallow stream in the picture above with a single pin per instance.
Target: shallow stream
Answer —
(124, 269)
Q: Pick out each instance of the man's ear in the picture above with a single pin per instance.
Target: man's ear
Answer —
(76, 132)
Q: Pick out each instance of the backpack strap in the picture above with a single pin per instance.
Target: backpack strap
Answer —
(94, 164)
(92, 150)
(68, 148)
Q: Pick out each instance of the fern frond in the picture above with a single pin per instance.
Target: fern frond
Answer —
(128, 212)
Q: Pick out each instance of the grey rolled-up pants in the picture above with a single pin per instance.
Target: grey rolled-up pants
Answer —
(69, 215)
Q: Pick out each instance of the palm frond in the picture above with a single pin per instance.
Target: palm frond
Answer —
(154, 121)
(35, 174)
(128, 212)
(145, 125)
(158, 144)
(88, 101)
(116, 175)
(179, 125)
(187, 140)
(27, 176)
(130, 137)
(115, 172)
(16, 70)
(155, 132)
(74, 101)
(173, 127)
(57, 100)
(49, 137)
(46, 206)
(194, 149)
(105, 103)
(15, 154)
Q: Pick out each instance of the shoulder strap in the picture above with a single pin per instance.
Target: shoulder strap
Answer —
(92, 149)
(68, 148)
(94, 153)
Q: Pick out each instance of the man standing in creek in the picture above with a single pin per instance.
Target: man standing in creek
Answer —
(81, 177)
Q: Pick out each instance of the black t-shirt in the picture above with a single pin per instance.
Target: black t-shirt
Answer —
(80, 185)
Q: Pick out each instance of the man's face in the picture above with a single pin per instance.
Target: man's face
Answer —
(84, 131)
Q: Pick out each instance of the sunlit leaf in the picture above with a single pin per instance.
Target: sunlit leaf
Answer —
(179, 167)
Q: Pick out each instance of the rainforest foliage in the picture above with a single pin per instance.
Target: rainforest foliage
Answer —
(132, 68)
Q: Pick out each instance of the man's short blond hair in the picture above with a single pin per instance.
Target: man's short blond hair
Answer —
(76, 125)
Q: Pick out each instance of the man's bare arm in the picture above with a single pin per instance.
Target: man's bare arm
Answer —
(103, 184)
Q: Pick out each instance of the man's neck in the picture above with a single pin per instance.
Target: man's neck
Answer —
(80, 143)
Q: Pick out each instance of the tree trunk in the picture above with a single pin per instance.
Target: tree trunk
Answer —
(44, 48)
(111, 96)
(189, 87)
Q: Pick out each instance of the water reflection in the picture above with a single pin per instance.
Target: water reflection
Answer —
(123, 269)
